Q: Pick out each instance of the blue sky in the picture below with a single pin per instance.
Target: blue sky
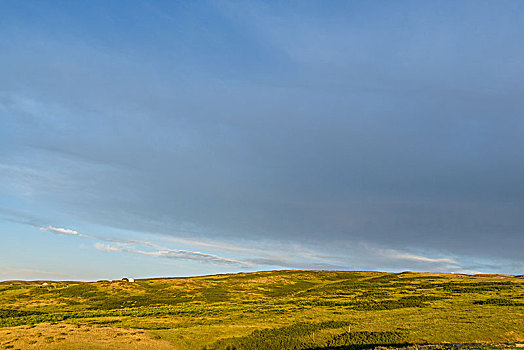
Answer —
(151, 138)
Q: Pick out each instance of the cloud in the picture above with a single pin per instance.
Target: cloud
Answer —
(196, 256)
(110, 248)
(118, 245)
(294, 264)
(393, 254)
(173, 254)
(64, 231)
(251, 254)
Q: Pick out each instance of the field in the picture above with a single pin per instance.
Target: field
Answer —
(267, 310)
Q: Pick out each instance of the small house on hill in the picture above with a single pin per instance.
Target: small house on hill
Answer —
(128, 279)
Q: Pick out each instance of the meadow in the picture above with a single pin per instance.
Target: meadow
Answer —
(267, 310)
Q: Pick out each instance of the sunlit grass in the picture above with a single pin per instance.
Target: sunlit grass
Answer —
(314, 308)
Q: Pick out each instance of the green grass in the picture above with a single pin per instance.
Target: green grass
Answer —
(284, 309)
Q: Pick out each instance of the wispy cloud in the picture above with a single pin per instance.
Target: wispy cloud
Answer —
(265, 253)
(110, 247)
(196, 256)
(129, 246)
(172, 254)
(64, 231)
(394, 254)
(261, 247)
(293, 264)
(248, 255)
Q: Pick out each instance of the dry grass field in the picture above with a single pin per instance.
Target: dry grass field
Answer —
(76, 336)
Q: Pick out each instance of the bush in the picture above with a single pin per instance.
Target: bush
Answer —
(498, 301)
(295, 337)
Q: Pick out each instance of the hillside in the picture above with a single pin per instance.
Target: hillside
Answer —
(269, 310)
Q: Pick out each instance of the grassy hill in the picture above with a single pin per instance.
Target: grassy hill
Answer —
(265, 310)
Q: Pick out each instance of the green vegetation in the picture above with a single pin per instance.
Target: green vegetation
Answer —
(299, 336)
(498, 301)
(282, 309)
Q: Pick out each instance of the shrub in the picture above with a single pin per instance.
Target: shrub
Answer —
(295, 337)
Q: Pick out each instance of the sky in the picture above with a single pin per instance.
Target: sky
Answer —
(182, 138)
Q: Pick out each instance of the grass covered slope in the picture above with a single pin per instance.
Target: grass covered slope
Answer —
(276, 309)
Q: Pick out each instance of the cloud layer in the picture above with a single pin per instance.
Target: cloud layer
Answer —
(394, 126)
(256, 255)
